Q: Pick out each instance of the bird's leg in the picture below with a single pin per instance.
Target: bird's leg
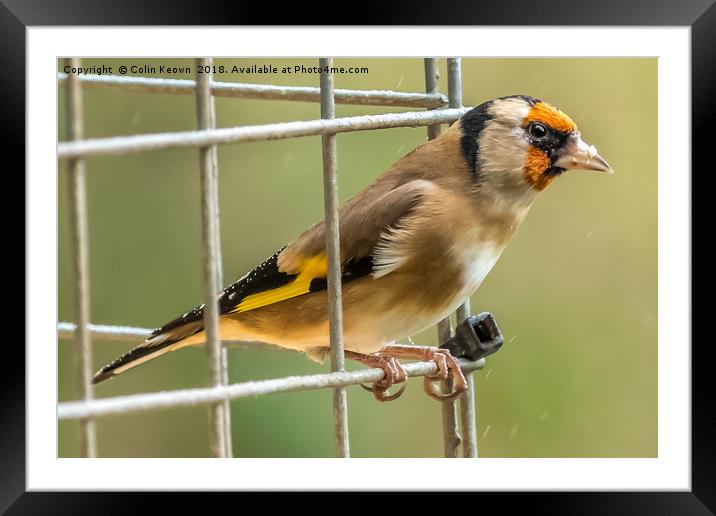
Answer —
(446, 363)
(394, 373)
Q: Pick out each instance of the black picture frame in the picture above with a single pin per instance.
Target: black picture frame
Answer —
(17, 15)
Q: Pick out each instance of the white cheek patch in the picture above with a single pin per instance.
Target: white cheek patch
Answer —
(503, 145)
(503, 148)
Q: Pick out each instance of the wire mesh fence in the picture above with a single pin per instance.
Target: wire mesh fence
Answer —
(459, 421)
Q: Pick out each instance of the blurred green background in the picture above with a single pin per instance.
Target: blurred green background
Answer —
(575, 292)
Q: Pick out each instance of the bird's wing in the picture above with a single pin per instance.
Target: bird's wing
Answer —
(372, 234)
(302, 266)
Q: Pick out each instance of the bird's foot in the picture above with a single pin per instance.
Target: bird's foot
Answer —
(448, 368)
(394, 373)
(447, 364)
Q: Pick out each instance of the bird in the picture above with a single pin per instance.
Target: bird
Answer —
(414, 244)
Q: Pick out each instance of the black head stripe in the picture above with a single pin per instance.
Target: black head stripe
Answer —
(473, 122)
(530, 100)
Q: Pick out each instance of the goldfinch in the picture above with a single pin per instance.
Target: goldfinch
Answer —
(414, 245)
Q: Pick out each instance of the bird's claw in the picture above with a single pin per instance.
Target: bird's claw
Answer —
(381, 393)
(441, 360)
(447, 364)
(394, 373)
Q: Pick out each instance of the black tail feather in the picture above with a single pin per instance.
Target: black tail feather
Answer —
(108, 371)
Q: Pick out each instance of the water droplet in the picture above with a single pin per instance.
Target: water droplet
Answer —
(487, 429)
(543, 415)
(513, 431)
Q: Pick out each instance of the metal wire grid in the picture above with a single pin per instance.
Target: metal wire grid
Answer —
(206, 138)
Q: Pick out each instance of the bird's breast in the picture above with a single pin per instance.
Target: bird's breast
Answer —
(477, 261)
(436, 293)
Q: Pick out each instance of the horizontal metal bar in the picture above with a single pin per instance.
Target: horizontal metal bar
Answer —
(72, 410)
(263, 91)
(65, 330)
(253, 133)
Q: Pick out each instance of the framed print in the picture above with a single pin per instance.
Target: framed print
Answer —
(191, 159)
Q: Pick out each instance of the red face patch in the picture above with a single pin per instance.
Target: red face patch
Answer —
(537, 163)
(551, 117)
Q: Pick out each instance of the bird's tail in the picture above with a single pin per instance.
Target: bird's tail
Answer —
(154, 346)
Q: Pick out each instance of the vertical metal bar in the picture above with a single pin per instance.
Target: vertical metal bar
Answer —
(431, 86)
(468, 415)
(218, 412)
(451, 437)
(333, 252)
(79, 231)
(454, 82)
(451, 433)
(467, 401)
(219, 266)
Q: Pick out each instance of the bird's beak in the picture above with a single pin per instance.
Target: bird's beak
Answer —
(576, 154)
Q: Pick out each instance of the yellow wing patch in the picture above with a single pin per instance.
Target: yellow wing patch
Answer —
(312, 268)
(553, 117)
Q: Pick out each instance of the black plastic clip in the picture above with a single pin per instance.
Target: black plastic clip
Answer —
(475, 337)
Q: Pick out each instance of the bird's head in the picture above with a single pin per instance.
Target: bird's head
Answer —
(517, 145)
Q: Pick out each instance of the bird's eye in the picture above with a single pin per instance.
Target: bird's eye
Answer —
(538, 131)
